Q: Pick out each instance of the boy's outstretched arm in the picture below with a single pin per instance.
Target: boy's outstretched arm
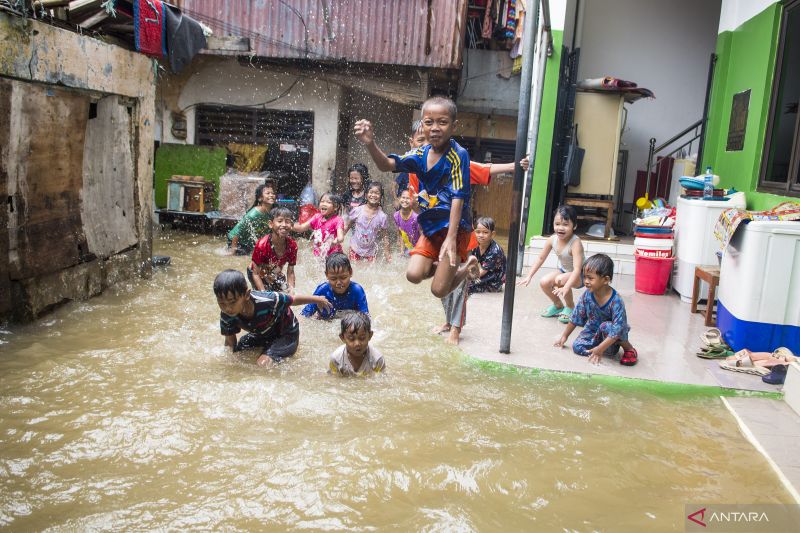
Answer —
(319, 301)
(564, 336)
(365, 135)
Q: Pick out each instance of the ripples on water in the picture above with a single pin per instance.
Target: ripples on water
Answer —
(124, 412)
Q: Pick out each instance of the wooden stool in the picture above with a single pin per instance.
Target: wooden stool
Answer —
(607, 205)
(709, 274)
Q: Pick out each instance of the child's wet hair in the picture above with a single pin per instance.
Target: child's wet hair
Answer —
(269, 183)
(378, 185)
(415, 127)
(337, 261)
(281, 211)
(356, 321)
(230, 282)
(335, 199)
(442, 101)
(600, 264)
(486, 222)
(567, 212)
(362, 169)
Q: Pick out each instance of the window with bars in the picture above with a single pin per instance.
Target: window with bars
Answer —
(288, 136)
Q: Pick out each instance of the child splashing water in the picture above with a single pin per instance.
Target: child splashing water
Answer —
(255, 223)
(406, 221)
(369, 224)
(442, 168)
(272, 252)
(569, 251)
(327, 226)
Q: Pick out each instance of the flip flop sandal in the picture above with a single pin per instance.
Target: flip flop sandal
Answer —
(564, 316)
(777, 376)
(715, 354)
(629, 357)
(711, 337)
(552, 311)
(755, 370)
(784, 354)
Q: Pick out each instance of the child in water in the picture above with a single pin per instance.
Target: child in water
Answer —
(601, 312)
(356, 357)
(491, 259)
(356, 195)
(569, 250)
(328, 226)
(272, 252)
(406, 221)
(369, 224)
(255, 223)
(267, 316)
(342, 293)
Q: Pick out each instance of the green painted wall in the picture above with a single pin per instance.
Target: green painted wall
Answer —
(746, 60)
(187, 160)
(541, 168)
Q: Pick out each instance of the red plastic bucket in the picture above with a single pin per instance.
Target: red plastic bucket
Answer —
(652, 274)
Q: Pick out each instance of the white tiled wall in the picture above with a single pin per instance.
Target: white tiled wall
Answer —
(621, 254)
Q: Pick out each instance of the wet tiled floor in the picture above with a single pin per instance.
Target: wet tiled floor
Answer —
(664, 332)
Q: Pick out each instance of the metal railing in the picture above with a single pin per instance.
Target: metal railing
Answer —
(687, 138)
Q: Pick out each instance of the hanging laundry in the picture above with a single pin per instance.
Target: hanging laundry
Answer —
(511, 20)
(516, 48)
(185, 38)
(488, 22)
(149, 27)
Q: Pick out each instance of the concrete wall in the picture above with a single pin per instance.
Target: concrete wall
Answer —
(664, 46)
(217, 80)
(487, 85)
(78, 176)
(747, 47)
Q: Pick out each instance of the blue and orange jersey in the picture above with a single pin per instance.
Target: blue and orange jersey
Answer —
(447, 180)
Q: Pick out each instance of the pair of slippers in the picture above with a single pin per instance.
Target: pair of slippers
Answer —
(760, 364)
(563, 313)
(713, 346)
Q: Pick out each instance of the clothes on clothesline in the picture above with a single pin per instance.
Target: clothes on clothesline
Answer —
(501, 21)
(162, 30)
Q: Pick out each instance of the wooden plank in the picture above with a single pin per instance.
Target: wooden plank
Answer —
(230, 44)
(47, 234)
(7, 209)
(94, 20)
(78, 6)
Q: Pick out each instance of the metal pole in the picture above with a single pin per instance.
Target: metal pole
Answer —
(523, 118)
(533, 136)
(702, 143)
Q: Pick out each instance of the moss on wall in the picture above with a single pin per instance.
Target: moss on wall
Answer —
(187, 160)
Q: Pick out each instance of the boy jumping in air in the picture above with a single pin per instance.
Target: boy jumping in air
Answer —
(443, 171)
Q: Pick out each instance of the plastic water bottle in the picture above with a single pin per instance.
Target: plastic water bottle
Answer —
(708, 185)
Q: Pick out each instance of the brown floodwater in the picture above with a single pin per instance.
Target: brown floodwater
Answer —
(124, 412)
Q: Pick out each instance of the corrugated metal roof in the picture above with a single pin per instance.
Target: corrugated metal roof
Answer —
(365, 31)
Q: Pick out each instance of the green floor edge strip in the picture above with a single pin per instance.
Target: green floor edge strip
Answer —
(660, 388)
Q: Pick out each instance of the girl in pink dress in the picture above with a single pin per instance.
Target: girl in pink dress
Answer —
(327, 226)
